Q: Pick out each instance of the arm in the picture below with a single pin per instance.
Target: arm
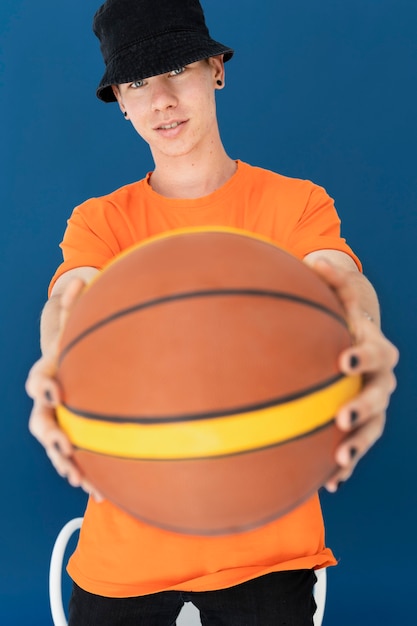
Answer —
(41, 385)
(372, 355)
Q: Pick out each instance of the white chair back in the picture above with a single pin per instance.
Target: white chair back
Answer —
(56, 568)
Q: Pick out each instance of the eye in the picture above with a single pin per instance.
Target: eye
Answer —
(137, 83)
(176, 72)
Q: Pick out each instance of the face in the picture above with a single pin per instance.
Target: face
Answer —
(174, 113)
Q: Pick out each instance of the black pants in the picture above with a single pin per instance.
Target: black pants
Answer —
(278, 599)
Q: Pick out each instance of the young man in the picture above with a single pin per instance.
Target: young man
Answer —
(163, 69)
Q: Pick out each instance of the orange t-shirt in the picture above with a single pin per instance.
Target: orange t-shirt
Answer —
(117, 555)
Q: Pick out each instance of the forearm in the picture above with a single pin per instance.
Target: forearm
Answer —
(368, 299)
(50, 324)
(55, 312)
(357, 286)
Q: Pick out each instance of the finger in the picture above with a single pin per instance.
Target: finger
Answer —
(372, 352)
(57, 446)
(354, 447)
(357, 443)
(40, 378)
(42, 420)
(44, 390)
(43, 426)
(372, 400)
(92, 491)
(64, 465)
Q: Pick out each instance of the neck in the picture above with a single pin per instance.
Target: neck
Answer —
(192, 175)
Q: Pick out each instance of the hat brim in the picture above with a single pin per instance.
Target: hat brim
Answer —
(156, 56)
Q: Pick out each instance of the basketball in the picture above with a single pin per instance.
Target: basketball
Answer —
(200, 381)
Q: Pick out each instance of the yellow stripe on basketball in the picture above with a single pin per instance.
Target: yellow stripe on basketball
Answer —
(210, 437)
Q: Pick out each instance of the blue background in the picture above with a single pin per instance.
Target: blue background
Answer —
(321, 90)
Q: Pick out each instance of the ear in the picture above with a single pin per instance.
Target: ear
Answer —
(117, 95)
(217, 65)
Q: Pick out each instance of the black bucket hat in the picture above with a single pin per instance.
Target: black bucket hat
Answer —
(143, 38)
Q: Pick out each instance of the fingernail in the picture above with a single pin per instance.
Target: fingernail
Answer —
(353, 452)
(354, 361)
(354, 416)
(57, 447)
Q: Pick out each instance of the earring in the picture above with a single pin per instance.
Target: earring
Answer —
(219, 82)
(125, 113)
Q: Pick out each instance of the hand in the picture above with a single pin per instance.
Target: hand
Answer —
(42, 387)
(374, 357)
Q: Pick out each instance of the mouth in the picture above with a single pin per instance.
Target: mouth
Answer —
(168, 126)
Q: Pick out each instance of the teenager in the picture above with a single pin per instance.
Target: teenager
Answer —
(163, 69)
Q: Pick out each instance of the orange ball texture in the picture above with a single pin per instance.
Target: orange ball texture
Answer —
(200, 381)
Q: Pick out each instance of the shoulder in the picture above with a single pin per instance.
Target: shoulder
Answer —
(291, 188)
(121, 198)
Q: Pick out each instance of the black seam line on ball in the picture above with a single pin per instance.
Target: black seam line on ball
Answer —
(194, 417)
(279, 295)
(213, 457)
(232, 528)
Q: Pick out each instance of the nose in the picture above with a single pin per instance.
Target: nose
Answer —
(163, 95)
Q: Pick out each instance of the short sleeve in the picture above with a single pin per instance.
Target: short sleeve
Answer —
(318, 227)
(90, 239)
